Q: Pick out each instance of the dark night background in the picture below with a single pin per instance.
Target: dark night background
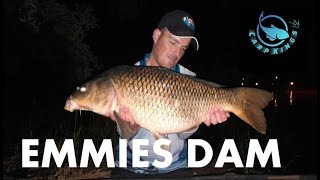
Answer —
(41, 67)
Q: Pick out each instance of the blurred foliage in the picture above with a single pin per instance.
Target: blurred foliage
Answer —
(70, 22)
(59, 31)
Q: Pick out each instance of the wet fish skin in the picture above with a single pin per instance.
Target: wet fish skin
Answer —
(164, 101)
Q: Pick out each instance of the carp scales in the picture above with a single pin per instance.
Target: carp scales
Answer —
(164, 101)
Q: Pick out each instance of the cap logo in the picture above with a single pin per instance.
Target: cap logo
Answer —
(188, 21)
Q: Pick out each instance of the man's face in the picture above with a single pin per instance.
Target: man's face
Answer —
(168, 49)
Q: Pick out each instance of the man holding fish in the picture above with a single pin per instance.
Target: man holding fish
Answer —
(171, 39)
(160, 99)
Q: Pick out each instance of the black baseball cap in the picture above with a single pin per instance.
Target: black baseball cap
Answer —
(181, 24)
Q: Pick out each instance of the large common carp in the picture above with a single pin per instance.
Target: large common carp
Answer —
(164, 101)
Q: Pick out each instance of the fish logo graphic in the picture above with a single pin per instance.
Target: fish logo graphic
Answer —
(274, 36)
(273, 32)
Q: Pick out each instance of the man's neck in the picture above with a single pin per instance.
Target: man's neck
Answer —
(151, 61)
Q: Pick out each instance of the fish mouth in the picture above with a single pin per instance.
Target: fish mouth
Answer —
(71, 105)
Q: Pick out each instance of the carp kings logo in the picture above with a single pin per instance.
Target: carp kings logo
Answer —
(273, 35)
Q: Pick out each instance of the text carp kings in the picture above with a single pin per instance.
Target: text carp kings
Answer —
(106, 149)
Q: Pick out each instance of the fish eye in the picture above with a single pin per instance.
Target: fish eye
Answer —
(83, 89)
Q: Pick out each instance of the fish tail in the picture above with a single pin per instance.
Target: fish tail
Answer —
(252, 101)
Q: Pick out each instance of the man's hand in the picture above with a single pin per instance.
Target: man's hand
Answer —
(215, 116)
(123, 114)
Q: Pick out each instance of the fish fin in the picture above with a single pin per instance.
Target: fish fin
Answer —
(157, 136)
(273, 26)
(254, 100)
(127, 130)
